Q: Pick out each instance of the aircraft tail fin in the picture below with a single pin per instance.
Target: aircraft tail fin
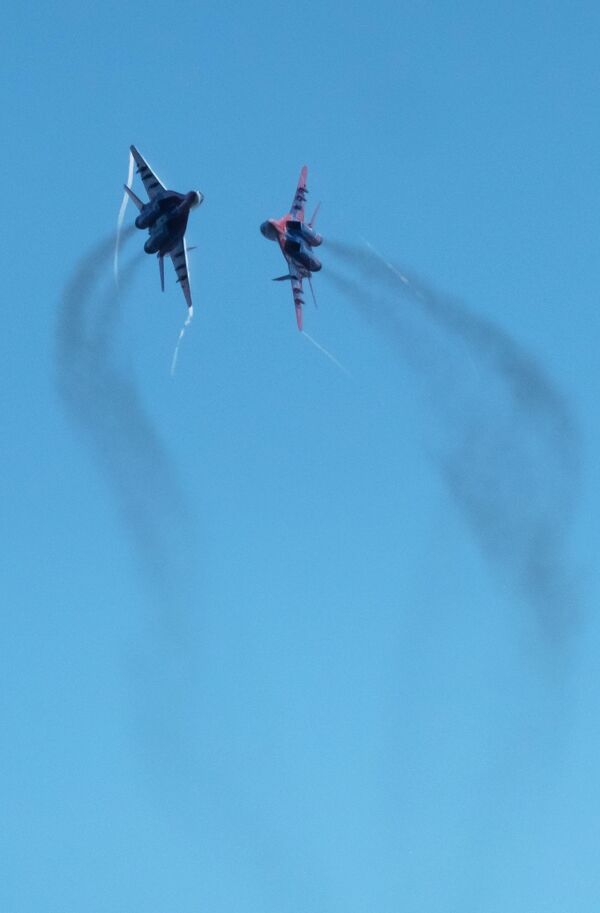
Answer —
(133, 196)
(312, 291)
(314, 216)
(161, 267)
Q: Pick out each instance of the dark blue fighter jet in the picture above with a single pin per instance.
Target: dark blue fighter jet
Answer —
(165, 215)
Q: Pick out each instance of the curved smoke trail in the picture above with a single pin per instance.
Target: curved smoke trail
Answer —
(509, 446)
(104, 403)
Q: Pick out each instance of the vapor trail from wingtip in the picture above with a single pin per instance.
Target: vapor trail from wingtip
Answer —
(186, 324)
(121, 218)
(327, 354)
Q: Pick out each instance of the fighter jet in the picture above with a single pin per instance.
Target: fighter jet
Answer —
(165, 215)
(296, 239)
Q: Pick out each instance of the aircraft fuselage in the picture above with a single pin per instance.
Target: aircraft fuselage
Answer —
(166, 218)
(296, 240)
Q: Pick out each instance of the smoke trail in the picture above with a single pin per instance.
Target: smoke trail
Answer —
(104, 403)
(508, 448)
(173, 698)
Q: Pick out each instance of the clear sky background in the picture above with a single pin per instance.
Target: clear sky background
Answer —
(254, 655)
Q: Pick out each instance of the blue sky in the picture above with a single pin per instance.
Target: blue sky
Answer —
(313, 690)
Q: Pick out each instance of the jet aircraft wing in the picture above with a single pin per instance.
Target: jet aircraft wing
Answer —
(297, 207)
(152, 183)
(180, 262)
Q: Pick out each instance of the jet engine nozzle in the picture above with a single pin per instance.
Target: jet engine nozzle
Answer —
(151, 247)
(148, 215)
(143, 220)
(195, 198)
(310, 235)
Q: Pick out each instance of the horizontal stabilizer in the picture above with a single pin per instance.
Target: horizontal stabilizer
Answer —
(283, 278)
(133, 196)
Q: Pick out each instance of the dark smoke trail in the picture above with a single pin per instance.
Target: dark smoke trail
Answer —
(509, 449)
(174, 701)
(104, 403)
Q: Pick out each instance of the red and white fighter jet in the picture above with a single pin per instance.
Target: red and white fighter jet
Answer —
(296, 239)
